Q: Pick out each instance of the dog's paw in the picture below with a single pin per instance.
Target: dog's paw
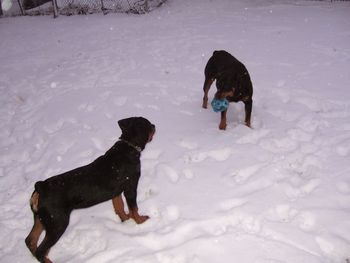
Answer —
(205, 104)
(141, 219)
(222, 126)
(125, 217)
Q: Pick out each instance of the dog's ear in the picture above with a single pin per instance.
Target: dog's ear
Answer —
(125, 124)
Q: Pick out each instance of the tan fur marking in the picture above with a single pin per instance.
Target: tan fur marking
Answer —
(34, 201)
(246, 98)
(118, 205)
(134, 214)
(33, 237)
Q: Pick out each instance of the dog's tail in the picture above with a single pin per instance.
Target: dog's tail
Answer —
(34, 200)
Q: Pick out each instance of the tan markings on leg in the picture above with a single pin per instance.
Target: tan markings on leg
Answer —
(207, 85)
(118, 205)
(222, 125)
(138, 218)
(205, 101)
(33, 237)
(226, 94)
(34, 201)
(46, 259)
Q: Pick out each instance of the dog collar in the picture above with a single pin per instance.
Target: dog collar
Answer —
(137, 148)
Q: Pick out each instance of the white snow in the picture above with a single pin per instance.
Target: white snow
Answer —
(279, 192)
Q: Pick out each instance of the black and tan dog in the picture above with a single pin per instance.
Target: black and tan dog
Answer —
(232, 82)
(106, 178)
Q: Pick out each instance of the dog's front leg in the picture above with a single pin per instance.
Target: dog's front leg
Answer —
(131, 197)
(206, 87)
(222, 125)
(118, 205)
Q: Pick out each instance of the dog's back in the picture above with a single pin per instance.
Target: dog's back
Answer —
(219, 62)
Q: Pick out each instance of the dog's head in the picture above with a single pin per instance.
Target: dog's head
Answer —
(225, 84)
(137, 130)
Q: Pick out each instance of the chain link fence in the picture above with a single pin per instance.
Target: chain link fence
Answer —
(76, 7)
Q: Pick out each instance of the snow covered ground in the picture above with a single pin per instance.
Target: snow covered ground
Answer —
(279, 192)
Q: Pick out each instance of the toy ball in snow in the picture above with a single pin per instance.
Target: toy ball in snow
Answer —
(219, 105)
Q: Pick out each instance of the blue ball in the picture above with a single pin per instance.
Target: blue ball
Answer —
(219, 105)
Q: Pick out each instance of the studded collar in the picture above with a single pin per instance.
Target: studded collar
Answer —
(135, 147)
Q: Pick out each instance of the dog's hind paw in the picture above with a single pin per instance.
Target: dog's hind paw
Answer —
(222, 126)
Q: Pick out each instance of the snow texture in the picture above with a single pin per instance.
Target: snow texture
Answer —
(278, 192)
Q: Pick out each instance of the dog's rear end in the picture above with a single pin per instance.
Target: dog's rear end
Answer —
(217, 63)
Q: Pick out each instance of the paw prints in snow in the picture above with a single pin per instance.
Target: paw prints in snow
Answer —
(306, 221)
(170, 213)
(343, 187)
(230, 204)
(187, 230)
(168, 171)
(285, 213)
(243, 174)
(217, 155)
(253, 136)
(343, 149)
(334, 247)
(172, 174)
(282, 213)
(281, 145)
(311, 124)
(190, 145)
(303, 190)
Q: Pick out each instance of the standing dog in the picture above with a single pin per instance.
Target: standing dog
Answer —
(232, 82)
(106, 178)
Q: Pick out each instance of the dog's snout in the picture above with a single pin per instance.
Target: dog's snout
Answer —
(153, 131)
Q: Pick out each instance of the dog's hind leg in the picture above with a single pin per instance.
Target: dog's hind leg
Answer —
(222, 125)
(33, 237)
(55, 225)
(207, 84)
(248, 105)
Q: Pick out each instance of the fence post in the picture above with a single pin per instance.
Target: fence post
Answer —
(21, 7)
(146, 6)
(104, 10)
(55, 8)
(1, 13)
